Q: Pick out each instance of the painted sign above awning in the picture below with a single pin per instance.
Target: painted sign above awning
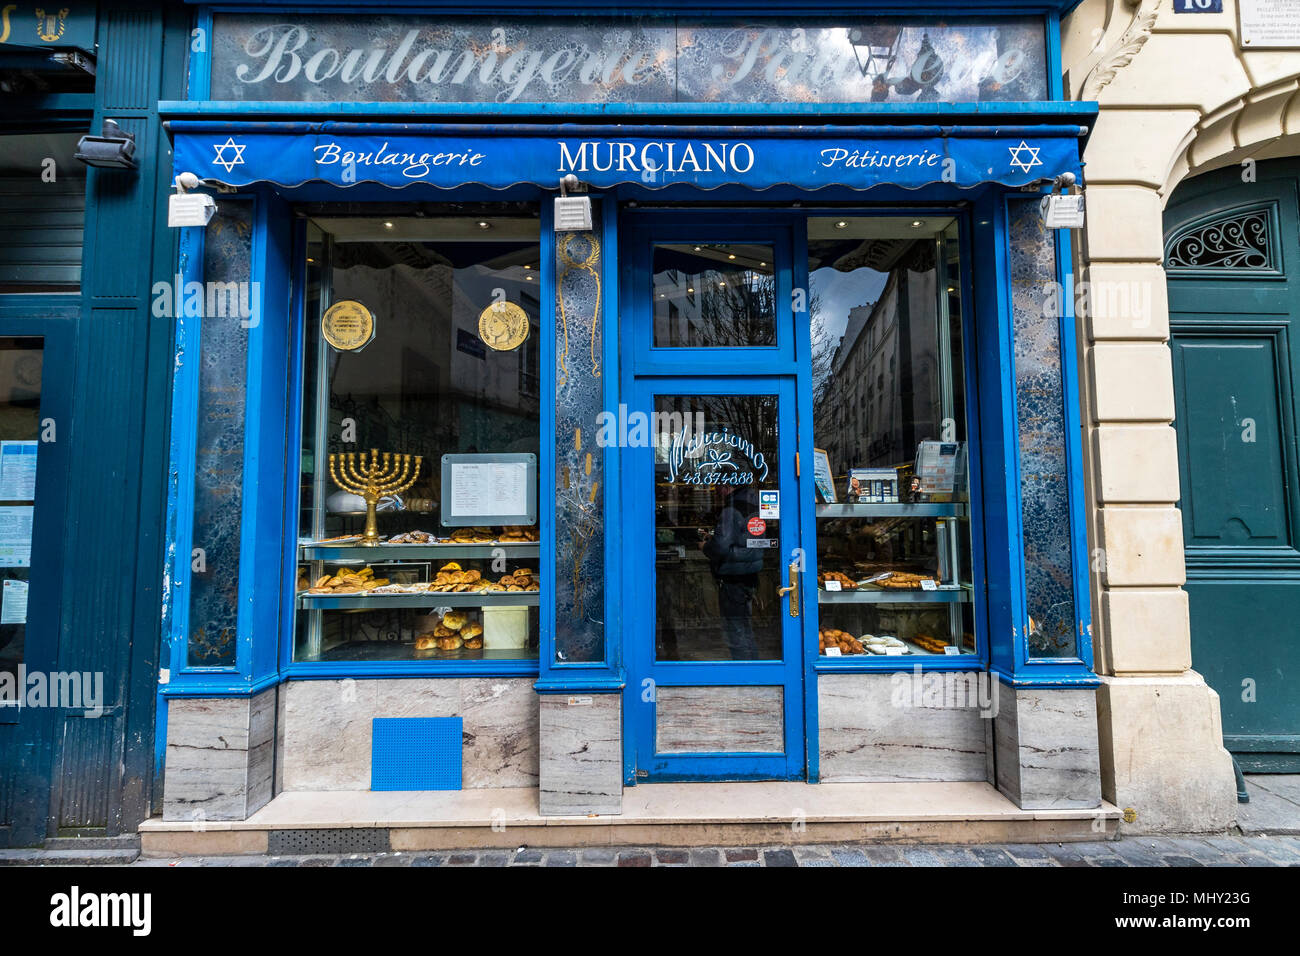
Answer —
(388, 57)
(859, 157)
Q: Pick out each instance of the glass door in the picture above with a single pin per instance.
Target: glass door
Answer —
(713, 623)
(717, 588)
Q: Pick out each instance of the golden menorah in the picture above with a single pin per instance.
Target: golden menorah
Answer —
(390, 474)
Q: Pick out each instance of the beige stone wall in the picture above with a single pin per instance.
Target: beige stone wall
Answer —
(1177, 98)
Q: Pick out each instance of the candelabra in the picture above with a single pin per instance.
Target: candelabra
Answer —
(373, 479)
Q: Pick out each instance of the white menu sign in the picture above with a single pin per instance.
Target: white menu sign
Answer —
(1269, 23)
(489, 489)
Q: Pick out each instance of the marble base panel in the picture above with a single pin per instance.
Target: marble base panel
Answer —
(1046, 752)
(220, 757)
(326, 728)
(881, 728)
(581, 754)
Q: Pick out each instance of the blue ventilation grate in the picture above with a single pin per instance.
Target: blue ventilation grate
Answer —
(415, 753)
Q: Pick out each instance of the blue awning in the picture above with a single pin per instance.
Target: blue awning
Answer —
(809, 157)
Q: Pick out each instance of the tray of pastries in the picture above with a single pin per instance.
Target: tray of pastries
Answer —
(846, 583)
(347, 581)
(898, 581)
(829, 637)
(454, 630)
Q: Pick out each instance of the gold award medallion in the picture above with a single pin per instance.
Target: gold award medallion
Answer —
(503, 326)
(348, 325)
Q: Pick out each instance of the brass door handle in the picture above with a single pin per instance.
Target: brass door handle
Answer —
(793, 589)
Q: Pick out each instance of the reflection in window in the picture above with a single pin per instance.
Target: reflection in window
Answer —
(889, 428)
(452, 370)
(717, 563)
(713, 296)
(20, 416)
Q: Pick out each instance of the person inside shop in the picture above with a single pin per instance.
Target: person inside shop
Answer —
(735, 568)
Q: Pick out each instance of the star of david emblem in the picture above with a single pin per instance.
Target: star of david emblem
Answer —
(228, 162)
(1017, 158)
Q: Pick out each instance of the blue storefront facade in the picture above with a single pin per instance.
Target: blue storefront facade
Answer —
(717, 480)
(722, 395)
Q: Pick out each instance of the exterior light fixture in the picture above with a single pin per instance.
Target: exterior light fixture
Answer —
(388, 225)
(572, 213)
(113, 148)
(187, 209)
(485, 225)
(842, 224)
(918, 223)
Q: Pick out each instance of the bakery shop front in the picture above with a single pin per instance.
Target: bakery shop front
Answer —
(623, 401)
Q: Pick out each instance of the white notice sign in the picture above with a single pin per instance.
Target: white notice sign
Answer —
(17, 470)
(13, 603)
(1269, 23)
(489, 489)
(16, 536)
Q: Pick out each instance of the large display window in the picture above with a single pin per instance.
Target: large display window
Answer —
(891, 459)
(418, 528)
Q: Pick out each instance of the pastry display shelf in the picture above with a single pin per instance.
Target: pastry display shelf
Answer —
(885, 596)
(433, 552)
(901, 509)
(419, 599)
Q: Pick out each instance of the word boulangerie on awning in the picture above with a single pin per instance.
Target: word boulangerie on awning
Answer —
(346, 154)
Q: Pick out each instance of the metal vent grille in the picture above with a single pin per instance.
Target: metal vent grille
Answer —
(348, 840)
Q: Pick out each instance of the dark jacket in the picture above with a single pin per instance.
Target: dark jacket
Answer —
(728, 556)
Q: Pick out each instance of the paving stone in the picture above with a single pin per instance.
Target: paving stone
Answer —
(884, 856)
(281, 861)
(819, 862)
(463, 859)
(1027, 851)
(1138, 853)
(634, 858)
(494, 859)
(359, 861)
(705, 856)
(740, 854)
(954, 856)
(528, 856)
(1065, 854)
(317, 861)
(598, 856)
(673, 857)
(392, 859)
(1175, 859)
(1199, 850)
(428, 859)
(921, 856)
(561, 858)
(992, 856)
(779, 858)
(845, 856)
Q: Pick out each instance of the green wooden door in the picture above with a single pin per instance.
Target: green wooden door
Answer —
(1232, 255)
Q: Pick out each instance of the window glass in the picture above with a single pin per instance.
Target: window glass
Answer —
(20, 417)
(713, 295)
(219, 449)
(889, 426)
(418, 530)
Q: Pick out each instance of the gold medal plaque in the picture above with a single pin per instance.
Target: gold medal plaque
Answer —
(348, 325)
(503, 326)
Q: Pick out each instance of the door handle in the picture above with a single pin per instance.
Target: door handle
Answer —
(793, 589)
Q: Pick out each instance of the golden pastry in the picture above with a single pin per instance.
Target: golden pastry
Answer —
(471, 629)
(474, 643)
(450, 643)
(454, 620)
(426, 642)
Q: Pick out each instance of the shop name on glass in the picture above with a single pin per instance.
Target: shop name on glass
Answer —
(602, 156)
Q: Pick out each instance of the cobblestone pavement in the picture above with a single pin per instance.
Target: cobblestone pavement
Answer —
(1133, 851)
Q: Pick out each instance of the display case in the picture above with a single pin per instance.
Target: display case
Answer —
(893, 563)
(418, 534)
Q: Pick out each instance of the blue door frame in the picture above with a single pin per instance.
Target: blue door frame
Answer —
(647, 371)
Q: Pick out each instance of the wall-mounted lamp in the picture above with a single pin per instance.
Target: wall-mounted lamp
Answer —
(1063, 207)
(185, 208)
(572, 213)
(114, 148)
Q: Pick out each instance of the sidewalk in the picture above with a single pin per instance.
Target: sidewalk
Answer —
(1268, 834)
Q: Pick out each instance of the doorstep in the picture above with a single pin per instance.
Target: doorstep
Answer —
(666, 814)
